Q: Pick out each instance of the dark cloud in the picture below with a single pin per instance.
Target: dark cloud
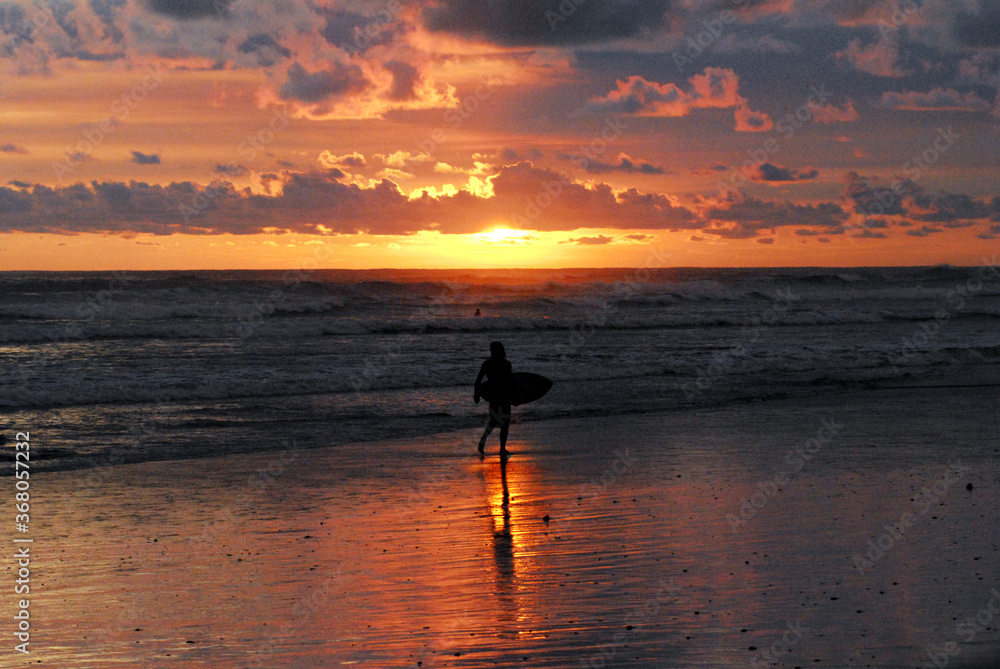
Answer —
(13, 148)
(231, 170)
(529, 197)
(992, 233)
(599, 240)
(105, 11)
(742, 219)
(354, 32)
(640, 238)
(625, 164)
(768, 172)
(872, 200)
(766, 240)
(542, 22)
(950, 207)
(355, 160)
(938, 99)
(191, 9)
(311, 87)
(405, 78)
(546, 200)
(923, 232)
(267, 51)
(140, 158)
(869, 234)
(509, 155)
(980, 28)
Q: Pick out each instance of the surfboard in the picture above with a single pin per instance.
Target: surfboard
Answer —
(524, 387)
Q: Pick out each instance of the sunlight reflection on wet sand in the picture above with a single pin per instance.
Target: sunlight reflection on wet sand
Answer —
(412, 552)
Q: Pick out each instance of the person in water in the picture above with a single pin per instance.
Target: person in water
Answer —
(497, 369)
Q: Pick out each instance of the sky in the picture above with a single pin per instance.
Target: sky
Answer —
(218, 134)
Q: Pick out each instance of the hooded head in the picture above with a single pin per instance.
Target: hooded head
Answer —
(497, 350)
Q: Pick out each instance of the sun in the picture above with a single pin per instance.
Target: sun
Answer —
(505, 236)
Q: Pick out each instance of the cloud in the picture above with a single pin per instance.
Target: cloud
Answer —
(352, 160)
(545, 22)
(509, 155)
(625, 164)
(766, 240)
(869, 234)
(949, 207)
(145, 159)
(873, 200)
(880, 58)
(992, 233)
(599, 240)
(743, 218)
(715, 88)
(478, 169)
(13, 148)
(768, 172)
(265, 49)
(938, 99)
(191, 9)
(319, 202)
(393, 173)
(923, 232)
(231, 170)
(828, 114)
(338, 80)
(979, 28)
(402, 159)
(405, 78)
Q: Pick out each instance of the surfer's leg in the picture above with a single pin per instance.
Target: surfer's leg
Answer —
(504, 427)
(492, 423)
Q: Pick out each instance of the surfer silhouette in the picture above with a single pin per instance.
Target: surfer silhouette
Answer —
(497, 369)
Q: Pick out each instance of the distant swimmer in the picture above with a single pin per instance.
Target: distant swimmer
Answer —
(497, 369)
(477, 312)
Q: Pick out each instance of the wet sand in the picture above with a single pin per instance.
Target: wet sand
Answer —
(712, 538)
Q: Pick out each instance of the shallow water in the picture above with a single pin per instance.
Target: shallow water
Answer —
(126, 367)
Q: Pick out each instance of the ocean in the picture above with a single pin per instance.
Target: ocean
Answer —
(117, 367)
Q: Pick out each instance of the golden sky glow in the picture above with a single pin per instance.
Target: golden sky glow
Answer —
(432, 134)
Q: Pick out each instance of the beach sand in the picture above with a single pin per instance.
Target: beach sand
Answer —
(656, 551)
